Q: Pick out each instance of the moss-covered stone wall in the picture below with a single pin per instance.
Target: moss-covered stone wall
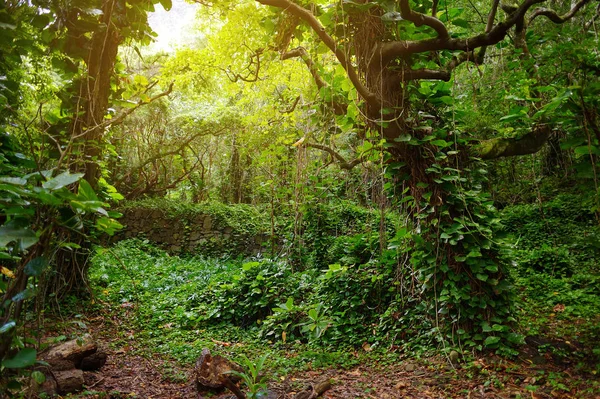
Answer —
(206, 229)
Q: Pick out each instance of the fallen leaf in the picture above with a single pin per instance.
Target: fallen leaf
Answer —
(559, 308)
(7, 272)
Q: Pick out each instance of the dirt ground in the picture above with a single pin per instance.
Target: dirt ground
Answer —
(128, 375)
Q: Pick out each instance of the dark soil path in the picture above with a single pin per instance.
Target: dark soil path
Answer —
(129, 375)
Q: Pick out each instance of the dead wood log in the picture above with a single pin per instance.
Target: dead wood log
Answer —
(213, 371)
(314, 391)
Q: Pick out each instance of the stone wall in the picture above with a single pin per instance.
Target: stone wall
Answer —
(213, 230)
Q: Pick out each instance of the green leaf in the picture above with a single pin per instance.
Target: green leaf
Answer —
(7, 327)
(18, 181)
(36, 266)
(167, 4)
(24, 358)
(38, 377)
(11, 233)
(21, 296)
(586, 150)
(441, 143)
(491, 341)
(86, 192)
(62, 180)
(250, 265)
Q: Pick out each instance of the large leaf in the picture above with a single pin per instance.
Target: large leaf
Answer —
(86, 192)
(7, 326)
(36, 266)
(11, 233)
(62, 180)
(24, 358)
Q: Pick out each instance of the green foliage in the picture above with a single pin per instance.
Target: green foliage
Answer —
(253, 377)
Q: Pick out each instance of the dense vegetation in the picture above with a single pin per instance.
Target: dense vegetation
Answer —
(426, 174)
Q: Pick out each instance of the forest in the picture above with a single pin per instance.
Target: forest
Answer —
(299, 199)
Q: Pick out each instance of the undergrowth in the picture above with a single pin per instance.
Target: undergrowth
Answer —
(322, 316)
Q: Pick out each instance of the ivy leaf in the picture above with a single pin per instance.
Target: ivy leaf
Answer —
(489, 341)
(36, 266)
(38, 377)
(24, 358)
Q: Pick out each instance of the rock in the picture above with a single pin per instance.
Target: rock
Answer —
(68, 355)
(211, 371)
(207, 225)
(453, 356)
(68, 381)
(409, 367)
(93, 362)
(49, 387)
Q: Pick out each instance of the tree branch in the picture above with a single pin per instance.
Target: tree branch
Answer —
(319, 29)
(343, 163)
(419, 19)
(508, 147)
(554, 17)
(391, 50)
(301, 52)
(338, 108)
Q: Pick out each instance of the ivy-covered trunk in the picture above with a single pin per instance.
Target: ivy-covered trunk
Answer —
(452, 239)
(88, 109)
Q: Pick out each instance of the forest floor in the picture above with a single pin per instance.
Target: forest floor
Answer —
(134, 370)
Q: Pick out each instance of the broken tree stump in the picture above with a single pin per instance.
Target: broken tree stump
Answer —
(211, 371)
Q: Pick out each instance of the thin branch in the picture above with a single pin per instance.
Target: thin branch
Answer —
(304, 14)
(300, 52)
(338, 108)
(554, 17)
(121, 117)
(292, 107)
(343, 163)
(492, 16)
(253, 73)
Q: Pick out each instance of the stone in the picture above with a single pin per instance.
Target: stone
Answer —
(49, 387)
(69, 381)
(409, 367)
(207, 224)
(69, 354)
(195, 235)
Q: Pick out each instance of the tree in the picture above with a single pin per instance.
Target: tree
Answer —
(398, 56)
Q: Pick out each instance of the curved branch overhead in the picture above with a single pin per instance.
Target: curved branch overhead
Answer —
(553, 15)
(419, 19)
(319, 29)
(388, 64)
